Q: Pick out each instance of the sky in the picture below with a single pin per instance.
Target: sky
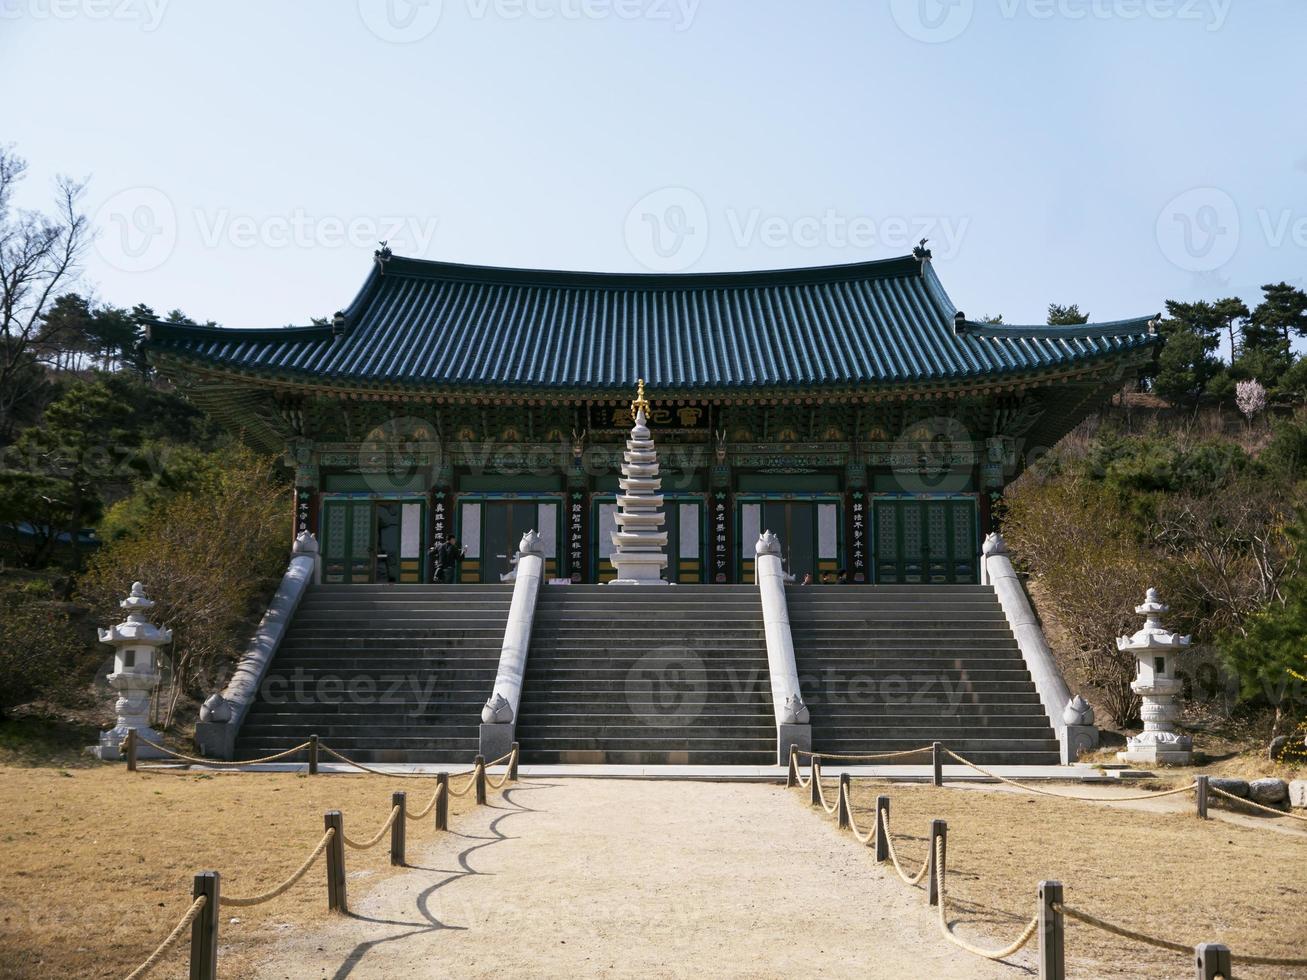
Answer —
(245, 156)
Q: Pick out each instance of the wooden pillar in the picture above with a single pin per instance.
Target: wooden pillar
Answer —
(792, 772)
(882, 838)
(313, 755)
(842, 809)
(512, 762)
(938, 832)
(1202, 797)
(1052, 932)
(814, 788)
(336, 901)
(442, 803)
(1213, 961)
(480, 779)
(129, 749)
(204, 928)
(937, 764)
(397, 799)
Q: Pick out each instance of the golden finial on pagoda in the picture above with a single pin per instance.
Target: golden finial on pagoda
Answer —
(640, 404)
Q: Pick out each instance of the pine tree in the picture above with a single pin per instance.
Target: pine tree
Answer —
(1066, 316)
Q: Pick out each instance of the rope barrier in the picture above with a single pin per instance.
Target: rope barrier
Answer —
(426, 809)
(152, 960)
(471, 782)
(506, 757)
(821, 794)
(894, 858)
(865, 756)
(286, 885)
(1259, 806)
(862, 838)
(381, 772)
(1071, 796)
(989, 954)
(496, 785)
(221, 762)
(385, 827)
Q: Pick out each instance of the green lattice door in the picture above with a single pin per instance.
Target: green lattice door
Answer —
(347, 541)
(925, 540)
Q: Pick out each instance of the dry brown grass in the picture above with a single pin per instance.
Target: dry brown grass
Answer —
(96, 864)
(1167, 874)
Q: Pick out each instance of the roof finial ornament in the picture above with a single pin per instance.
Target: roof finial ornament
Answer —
(640, 404)
(921, 253)
(384, 253)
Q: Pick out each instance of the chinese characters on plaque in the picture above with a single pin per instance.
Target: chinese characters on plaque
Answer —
(721, 551)
(576, 535)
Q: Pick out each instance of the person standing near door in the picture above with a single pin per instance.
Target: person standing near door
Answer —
(448, 555)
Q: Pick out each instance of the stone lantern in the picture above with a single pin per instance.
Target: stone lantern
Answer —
(136, 642)
(1157, 682)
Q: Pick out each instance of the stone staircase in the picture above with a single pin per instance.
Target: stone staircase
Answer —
(383, 673)
(888, 668)
(648, 676)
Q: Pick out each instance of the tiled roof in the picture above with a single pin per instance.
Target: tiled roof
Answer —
(442, 325)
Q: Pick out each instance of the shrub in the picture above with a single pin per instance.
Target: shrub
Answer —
(206, 556)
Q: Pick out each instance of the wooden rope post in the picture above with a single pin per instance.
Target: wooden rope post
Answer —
(129, 749)
(1052, 932)
(938, 831)
(442, 803)
(397, 799)
(313, 755)
(512, 763)
(792, 771)
(882, 839)
(336, 900)
(204, 928)
(842, 809)
(480, 778)
(1202, 797)
(937, 763)
(814, 787)
(1213, 961)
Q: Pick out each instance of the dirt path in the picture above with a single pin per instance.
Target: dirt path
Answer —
(634, 878)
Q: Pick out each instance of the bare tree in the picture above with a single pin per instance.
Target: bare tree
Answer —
(39, 255)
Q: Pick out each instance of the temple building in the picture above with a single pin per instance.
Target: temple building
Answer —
(851, 409)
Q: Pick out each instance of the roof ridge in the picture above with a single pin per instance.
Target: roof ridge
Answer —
(1132, 327)
(896, 267)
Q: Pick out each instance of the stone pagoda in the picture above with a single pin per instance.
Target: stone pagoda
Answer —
(639, 544)
(1157, 682)
(136, 642)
